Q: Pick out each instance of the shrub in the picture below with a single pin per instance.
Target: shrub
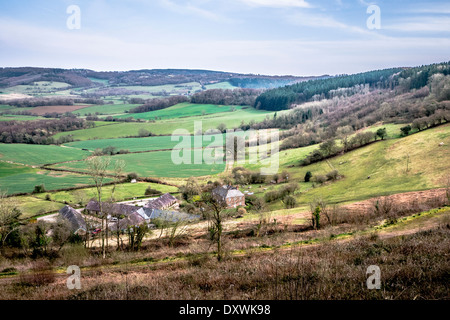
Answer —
(241, 211)
(132, 176)
(405, 130)
(271, 196)
(149, 191)
(308, 176)
(39, 188)
(289, 202)
(332, 175)
(320, 178)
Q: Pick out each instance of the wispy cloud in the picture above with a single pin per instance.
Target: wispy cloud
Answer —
(316, 20)
(422, 24)
(189, 8)
(277, 3)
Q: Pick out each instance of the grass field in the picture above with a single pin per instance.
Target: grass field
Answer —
(123, 191)
(38, 88)
(22, 179)
(386, 164)
(148, 143)
(220, 85)
(10, 117)
(168, 126)
(154, 164)
(106, 109)
(36, 155)
(181, 110)
(31, 206)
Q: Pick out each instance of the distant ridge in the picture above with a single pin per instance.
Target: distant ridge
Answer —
(12, 76)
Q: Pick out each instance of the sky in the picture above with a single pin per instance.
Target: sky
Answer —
(272, 37)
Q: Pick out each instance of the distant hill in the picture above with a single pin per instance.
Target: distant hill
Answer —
(86, 78)
(282, 98)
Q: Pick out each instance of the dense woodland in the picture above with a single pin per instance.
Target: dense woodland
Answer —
(39, 131)
(407, 78)
(239, 97)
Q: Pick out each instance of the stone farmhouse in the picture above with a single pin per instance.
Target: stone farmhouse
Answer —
(228, 196)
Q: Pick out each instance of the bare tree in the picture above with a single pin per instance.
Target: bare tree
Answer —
(97, 168)
(119, 167)
(9, 217)
(215, 213)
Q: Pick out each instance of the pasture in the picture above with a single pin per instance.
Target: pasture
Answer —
(21, 179)
(125, 191)
(181, 110)
(154, 164)
(38, 155)
(415, 162)
(107, 109)
(168, 126)
(152, 143)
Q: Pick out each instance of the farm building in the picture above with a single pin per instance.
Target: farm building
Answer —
(165, 201)
(113, 209)
(78, 225)
(229, 196)
(172, 216)
(132, 220)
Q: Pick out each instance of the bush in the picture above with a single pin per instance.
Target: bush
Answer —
(131, 176)
(405, 130)
(308, 176)
(149, 191)
(289, 202)
(271, 196)
(241, 211)
(332, 175)
(320, 178)
(39, 188)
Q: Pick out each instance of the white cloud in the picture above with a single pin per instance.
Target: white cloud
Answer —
(425, 24)
(277, 3)
(323, 21)
(189, 8)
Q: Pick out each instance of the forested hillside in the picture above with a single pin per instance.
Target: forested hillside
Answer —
(407, 78)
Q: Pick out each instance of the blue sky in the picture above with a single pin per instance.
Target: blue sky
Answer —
(298, 37)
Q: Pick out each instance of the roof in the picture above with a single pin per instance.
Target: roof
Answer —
(112, 208)
(133, 219)
(172, 216)
(74, 217)
(166, 200)
(227, 192)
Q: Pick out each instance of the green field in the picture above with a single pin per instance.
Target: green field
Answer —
(220, 85)
(37, 88)
(181, 110)
(154, 164)
(123, 192)
(11, 117)
(168, 126)
(385, 162)
(21, 179)
(30, 206)
(106, 109)
(36, 155)
(150, 143)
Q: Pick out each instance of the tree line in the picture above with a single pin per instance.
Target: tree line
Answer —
(40, 131)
